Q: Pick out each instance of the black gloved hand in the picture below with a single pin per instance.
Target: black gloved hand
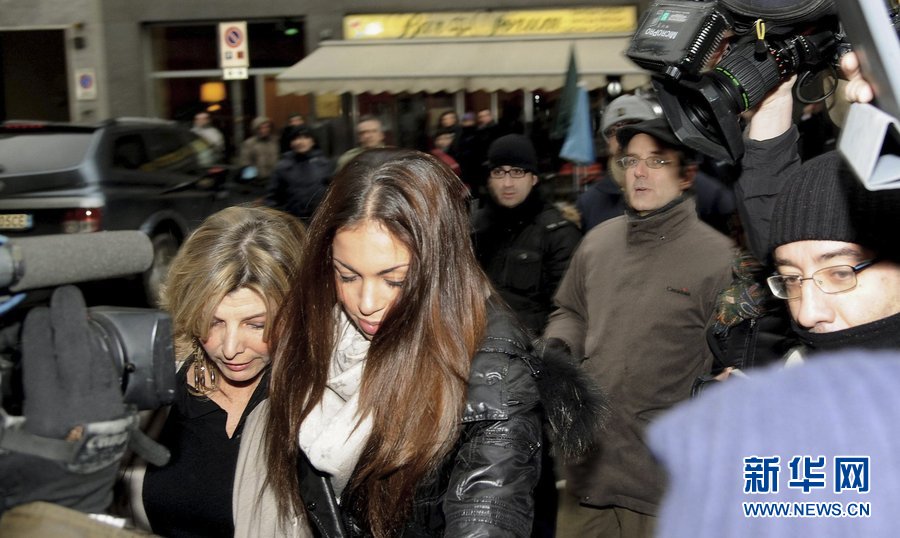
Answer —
(71, 392)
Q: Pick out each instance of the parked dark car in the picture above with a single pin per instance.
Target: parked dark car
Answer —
(122, 174)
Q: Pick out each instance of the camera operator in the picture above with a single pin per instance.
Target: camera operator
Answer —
(815, 218)
(59, 460)
(821, 219)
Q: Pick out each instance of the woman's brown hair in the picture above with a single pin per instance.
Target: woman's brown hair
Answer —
(416, 373)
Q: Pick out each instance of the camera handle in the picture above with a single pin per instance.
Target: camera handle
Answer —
(98, 444)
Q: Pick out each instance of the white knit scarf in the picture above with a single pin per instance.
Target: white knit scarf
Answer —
(332, 436)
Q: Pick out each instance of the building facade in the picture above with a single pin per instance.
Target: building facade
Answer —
(87, 60)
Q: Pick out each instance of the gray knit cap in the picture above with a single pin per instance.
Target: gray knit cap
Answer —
(824, 201)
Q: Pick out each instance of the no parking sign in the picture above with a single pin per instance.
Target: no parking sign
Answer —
(85, 84)
(233, 50)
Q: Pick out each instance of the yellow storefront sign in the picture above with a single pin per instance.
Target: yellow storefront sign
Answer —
(542, 22)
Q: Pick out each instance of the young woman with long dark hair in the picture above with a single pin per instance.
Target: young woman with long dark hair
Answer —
(404, 397)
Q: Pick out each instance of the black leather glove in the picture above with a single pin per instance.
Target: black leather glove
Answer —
(76, 426)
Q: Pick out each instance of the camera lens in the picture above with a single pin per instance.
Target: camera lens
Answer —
(745, 78)
(139, 342)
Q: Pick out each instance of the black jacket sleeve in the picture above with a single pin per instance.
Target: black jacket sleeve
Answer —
(765, 167)
(498, 465)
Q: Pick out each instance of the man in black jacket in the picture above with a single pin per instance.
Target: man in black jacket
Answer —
(300, 177)
(522, 241)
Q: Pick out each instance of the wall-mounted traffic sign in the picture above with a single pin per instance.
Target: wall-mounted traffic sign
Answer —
(233, 48)
(234, 73)
(85, 84)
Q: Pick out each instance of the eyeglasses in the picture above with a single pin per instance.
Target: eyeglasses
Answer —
(837, 279)
(515, 173)
(628, 161)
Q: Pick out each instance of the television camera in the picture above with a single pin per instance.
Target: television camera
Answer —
(138, 341)
(713, 60)
(74, 377)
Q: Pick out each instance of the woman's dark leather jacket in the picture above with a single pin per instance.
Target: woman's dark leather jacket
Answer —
(484, 487)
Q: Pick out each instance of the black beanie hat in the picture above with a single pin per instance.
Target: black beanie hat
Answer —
(513, 150)
(823, 201)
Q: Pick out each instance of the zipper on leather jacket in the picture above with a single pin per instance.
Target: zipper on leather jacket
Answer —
(535, 372)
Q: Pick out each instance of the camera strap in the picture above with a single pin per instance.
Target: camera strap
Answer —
(98, 444)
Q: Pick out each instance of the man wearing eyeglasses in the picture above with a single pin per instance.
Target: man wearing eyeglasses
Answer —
(633, 306)
(832, 242)
(836, 257)
(524, 244)
(521, 240)
(603, 199)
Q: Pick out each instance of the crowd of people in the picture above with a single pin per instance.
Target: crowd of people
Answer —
(295, 173)
(407, 343)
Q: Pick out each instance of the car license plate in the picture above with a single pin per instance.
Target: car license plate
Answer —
(16, 221)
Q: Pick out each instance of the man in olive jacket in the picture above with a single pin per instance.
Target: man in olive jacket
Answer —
(633, 306)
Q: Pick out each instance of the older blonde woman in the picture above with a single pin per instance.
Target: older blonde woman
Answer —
(223, 291)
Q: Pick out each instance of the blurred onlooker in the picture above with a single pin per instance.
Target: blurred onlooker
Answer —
(485, 119)
(294, 120)
(443, 139)
(204, 128)
(300, 177)
(369, 135)
(487, 131)
(260, 151)
(468, 120)
(473, 149)
(450, 120)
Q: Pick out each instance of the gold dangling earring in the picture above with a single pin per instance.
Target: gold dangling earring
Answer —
(201, 367)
